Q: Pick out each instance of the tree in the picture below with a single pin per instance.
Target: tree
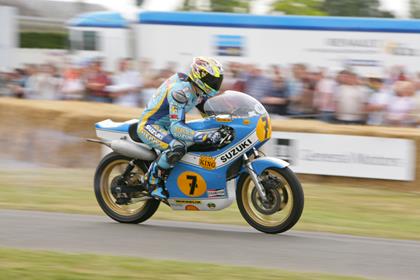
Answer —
(299, 7)
(355, 8)
(415, 8)
(227, 6)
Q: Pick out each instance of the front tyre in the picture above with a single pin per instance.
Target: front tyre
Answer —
(110, 167)
(285, 200)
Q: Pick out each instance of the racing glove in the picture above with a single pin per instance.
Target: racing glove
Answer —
(211, 137)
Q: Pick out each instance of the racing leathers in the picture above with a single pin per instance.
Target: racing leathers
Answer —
(162, 126)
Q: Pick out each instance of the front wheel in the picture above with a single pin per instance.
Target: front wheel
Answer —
(134, 210)
(284, 204)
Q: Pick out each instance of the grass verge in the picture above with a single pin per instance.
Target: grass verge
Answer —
(31, 265)
(338, 209)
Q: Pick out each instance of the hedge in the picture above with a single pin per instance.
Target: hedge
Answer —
(36, 40)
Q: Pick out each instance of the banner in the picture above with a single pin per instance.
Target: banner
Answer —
(343, 155)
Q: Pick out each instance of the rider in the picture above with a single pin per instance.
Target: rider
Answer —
(162, 124)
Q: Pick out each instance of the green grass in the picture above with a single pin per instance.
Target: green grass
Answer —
(338, 209)
(33, 265)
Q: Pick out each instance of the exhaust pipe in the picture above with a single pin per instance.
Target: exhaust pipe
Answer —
(129, 149)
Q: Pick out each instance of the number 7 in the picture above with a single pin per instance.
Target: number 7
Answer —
(193, 184)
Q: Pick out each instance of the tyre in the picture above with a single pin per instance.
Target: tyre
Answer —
(284, 204)
(110, 167)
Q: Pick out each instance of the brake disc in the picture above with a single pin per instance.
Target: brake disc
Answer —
(277, 196)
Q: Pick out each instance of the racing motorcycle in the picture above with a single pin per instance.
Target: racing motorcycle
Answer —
(268, 194)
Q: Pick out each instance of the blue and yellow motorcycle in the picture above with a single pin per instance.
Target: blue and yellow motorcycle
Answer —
(208, 178)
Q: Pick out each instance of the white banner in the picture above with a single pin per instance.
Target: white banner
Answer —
(343, 155)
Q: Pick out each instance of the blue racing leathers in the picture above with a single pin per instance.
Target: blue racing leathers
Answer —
(162, 124)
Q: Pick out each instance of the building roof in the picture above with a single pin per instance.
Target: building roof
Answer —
(99, 19)
(280, 22)
(116, 20)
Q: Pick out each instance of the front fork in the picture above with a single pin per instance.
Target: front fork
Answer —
(254, 176)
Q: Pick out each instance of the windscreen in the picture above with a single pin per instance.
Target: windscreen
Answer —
(234, 103)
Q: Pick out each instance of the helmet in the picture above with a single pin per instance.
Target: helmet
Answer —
(207, 74)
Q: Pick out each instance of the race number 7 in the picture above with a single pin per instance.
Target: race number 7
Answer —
(193, 184)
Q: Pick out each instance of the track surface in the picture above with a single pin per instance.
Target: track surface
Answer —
(236, 245)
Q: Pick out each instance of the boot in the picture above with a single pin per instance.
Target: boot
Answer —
(156, 182)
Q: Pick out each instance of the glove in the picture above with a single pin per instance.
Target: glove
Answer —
(211, 137)
(214, 138)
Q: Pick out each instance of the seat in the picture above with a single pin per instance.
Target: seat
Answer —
(132, 132)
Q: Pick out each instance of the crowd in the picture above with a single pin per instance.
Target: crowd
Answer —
(297, 91)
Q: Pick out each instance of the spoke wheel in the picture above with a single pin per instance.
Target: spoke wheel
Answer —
(284, 204)
(109, 178)
(107, 175)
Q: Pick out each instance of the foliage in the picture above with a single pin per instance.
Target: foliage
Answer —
(227, 6)
(35, 40)
(299, 7)
(415, 8)
(355, 8)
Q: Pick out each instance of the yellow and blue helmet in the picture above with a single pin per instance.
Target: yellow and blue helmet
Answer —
(207, 74)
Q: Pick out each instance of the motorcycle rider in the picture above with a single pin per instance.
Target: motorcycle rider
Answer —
(162, 124)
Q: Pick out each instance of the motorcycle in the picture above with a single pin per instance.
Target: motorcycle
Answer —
(268, 194)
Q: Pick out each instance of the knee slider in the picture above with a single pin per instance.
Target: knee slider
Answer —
(176, 152)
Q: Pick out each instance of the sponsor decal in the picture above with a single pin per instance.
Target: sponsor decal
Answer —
(207, 162)
(191, 208)
(188, 201)
(191, 184)
(154, 132)
(211, 205)
(184, 131)
(236, 150)
(216, 193)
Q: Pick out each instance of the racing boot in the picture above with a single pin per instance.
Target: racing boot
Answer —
(156, 182)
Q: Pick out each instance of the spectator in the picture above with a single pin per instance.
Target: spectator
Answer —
(276, 100)
(402, 106)
(47, 84)
(296, 88)
(310, 80)
(127, 83)
(72, 87)
(417, 98)
(31, 82)
(258, 85)
(378, 102)
(324, 99)
(97, 81)
(351, 100)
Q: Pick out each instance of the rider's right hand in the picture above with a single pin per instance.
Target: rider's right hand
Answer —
(214, 138)
(209, 137)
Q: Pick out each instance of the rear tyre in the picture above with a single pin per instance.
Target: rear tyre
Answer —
(111, 166)
(285, 196)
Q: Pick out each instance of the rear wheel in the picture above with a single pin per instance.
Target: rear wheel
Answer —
(284, 204)
(134, 207)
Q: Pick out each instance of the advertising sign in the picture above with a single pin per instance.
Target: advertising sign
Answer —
(344, 155)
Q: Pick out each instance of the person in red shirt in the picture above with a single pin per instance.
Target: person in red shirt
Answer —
(96, 83)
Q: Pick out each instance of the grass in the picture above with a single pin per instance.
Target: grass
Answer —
(337, 209)
(32, 265)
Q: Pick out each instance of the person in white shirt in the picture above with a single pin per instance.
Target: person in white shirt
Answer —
(126, 85)
(324, 99)
(378, 102)
(351, 100)
(402, 106)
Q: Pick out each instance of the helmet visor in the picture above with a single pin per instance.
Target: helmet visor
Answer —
(213, 82)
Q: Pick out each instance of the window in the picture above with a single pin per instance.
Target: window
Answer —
(89, 40)
(83, 40)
